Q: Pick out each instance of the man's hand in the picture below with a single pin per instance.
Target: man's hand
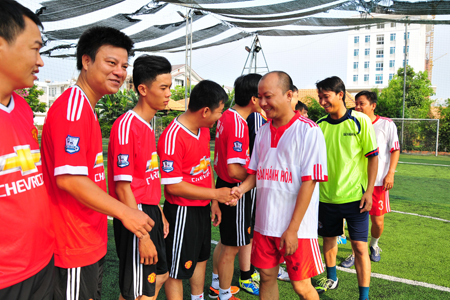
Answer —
(223, 195)
(137, 222)
(366, 202)
(237, 193)
(147, 251)
(289, 241)
(388, 182)
(166, 225)
(216, 214)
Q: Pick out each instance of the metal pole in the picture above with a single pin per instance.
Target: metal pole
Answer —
(405, 64)
(437, 138)
(186, 16)
(190, 52)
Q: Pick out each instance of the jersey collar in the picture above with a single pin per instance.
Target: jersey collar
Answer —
(376, 119)
(8, 109)
(277, 133)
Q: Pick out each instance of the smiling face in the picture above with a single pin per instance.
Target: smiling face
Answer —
(213, 115)
(272, 100)
(106, 74)
(20, 60)
(332, 103)
(363, 105)
(157, 95)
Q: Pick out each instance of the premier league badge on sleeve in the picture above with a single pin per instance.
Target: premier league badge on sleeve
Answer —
(167, 166)
(122, 160)
(72, 144)
(237, 146)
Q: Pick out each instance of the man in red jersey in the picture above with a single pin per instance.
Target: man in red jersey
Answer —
(26, 235)
(189, 189)
(73, 167)
(134, 180)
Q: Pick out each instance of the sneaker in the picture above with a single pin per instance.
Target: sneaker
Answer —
(375, 253)
(213, 293)
(249, 286)
(348, 262)
(283, 275)
(256, 277)
(232, 298)
(342, 240)
(324, 284)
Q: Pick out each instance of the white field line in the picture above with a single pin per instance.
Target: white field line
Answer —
(422, 216)
(424, 164)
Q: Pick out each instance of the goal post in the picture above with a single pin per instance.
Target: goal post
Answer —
(418, 136)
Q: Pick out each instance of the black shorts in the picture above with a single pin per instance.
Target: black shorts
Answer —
(136, 279)
(236, 227)
(189, 239)
(331, 218)
(79, 283)
(37, 287)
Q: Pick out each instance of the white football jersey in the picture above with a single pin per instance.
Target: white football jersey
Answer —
(282, 158)
(387, 140)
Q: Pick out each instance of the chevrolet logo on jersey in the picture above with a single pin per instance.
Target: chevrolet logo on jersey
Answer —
(98, 160)
(202, 167)
(23, 159)
(152, 164)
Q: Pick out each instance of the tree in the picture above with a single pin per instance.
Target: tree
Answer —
(444, 127)
(417, 97)
(178, 92)
(315, 111)
(31, 95)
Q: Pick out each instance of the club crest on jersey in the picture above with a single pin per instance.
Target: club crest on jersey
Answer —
(237, 146)
(167, 166)
(72, 144)
(122, 160)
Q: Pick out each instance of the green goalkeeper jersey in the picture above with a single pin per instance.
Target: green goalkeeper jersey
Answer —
(349, 141)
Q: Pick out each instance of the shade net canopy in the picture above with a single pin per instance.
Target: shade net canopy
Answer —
(160, 26)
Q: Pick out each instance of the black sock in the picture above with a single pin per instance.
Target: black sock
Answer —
(252, 269)
(246, 274)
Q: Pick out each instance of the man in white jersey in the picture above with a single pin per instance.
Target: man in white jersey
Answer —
(289, 157)
(389, 153)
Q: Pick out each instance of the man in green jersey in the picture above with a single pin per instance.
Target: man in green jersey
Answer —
(352, 160)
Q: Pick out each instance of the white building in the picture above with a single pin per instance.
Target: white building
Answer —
(376, 52)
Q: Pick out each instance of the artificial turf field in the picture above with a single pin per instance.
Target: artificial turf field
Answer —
(414, 248)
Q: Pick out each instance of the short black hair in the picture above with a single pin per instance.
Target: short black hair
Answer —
(284, 80)
(332, 84)
(301, 106)
(207, 93)
(294, 88)
(147, 67)
(12, 21)
(246, 87)
(95, 37)
(371, 96)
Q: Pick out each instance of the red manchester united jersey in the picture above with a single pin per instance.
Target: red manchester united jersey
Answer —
(26, 234)
(72, 144)
(185, 157)
(232, 144)
(132, 157)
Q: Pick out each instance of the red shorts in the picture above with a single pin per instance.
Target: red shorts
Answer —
(305, 263)
(380, 202)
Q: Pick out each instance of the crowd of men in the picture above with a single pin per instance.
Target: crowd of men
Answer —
(266, 200)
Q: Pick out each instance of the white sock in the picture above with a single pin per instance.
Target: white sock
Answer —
(374, 242)
(197, 297)
(225, 294)
(215, 281)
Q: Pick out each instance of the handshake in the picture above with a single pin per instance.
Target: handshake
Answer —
(229, 196)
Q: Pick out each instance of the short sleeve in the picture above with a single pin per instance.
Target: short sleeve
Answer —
(237, 142)
(170, 151)
(123, 151)
(367, 137)
(314, 156)
(393, 137)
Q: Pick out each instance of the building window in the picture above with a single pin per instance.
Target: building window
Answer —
(380, 39)
(356, 39)
(356, 52)
(407, 49)
(367, 38)
(391, 63)
(179, 82)
(404, 35)
(379, 66)
(392, 36)
(380, 25)
(380, 53)
(355, 78)
(355, 65)
(392, 50)
(407, 62)
(366, 77)
(393, 24)
(366, 65)
(391, 76)
(379, 79)
(367, 51)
